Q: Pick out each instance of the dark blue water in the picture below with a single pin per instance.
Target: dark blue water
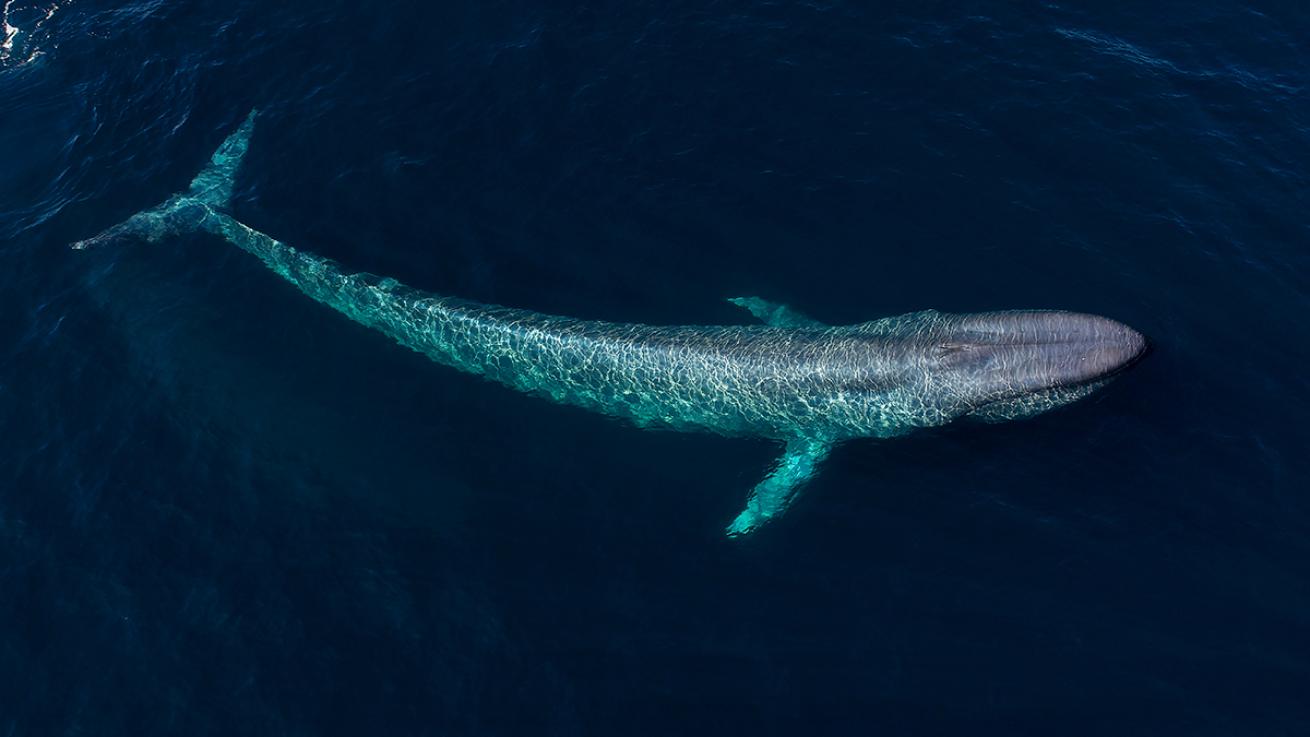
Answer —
(227, 510)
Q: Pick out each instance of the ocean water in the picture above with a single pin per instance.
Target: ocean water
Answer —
(227, 510)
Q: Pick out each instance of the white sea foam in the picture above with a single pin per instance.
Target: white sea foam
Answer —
(10, 31)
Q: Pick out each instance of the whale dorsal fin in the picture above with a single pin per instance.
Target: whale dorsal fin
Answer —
(775, 314)
(771, 497)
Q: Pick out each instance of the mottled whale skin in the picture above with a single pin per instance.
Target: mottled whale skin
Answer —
(792, 379)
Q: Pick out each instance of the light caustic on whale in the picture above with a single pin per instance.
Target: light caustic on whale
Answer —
(791, 379)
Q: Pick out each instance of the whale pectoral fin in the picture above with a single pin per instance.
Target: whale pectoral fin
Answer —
(771, 497)
(777, 315)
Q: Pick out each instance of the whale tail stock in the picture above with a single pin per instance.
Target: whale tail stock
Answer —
(210, 194)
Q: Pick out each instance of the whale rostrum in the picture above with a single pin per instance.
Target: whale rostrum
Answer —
(791, 379)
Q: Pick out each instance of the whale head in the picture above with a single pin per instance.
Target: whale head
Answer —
(1006, 365)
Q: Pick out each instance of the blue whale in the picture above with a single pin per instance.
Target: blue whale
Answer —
(790, 378)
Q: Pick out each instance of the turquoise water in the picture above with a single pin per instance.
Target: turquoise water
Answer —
(225, 509)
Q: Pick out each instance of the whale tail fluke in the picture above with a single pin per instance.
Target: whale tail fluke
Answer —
(213, 185)
(210, 192)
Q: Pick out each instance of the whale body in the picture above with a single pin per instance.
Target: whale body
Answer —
(791, 379)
